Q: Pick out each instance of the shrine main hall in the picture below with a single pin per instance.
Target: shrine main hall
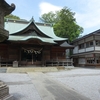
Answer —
(33, 44)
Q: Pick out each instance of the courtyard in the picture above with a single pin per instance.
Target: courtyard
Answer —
(81, 83)
(84, 81)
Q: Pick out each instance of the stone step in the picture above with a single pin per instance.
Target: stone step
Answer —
(31, 69)
(3, 69)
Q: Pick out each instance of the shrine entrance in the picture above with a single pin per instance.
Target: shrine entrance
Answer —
(31, 56)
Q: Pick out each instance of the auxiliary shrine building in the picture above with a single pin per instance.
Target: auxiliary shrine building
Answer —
(34, 44)
(86, 52)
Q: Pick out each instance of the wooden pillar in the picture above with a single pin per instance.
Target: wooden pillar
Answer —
(19, 55)
(95, 60)
(32, 59)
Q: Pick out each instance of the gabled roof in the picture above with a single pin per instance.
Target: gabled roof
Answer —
(26, 38)
(65, 44)
(30, 26)
(17, 27)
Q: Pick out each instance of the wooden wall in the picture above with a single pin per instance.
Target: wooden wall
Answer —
(46, 53)
(54, 53)
(3, 51)
(58, 53)
(13, 52)
(9, 52)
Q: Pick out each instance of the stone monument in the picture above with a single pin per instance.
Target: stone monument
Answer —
(5, 9)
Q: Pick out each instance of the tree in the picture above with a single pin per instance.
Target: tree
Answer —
(50, 17)
(64, 23)
(11, 16)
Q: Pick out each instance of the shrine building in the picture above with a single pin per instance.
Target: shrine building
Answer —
(33, 44)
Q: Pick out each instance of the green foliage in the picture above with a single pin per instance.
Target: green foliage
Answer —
(12, 17)
(64, 23)
(50, 17)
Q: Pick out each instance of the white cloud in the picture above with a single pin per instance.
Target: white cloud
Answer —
(90, 17)
(47, 7)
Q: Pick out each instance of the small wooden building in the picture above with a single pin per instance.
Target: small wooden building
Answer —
(33, 44)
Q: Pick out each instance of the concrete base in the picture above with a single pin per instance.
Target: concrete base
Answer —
(4, 92)
(9, 97)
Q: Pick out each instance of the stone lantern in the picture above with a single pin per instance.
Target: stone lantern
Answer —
(5, 9)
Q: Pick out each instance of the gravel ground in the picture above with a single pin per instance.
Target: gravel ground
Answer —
(84, 81)
(20, 86)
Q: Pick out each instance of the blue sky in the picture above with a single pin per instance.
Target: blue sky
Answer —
(87, 12)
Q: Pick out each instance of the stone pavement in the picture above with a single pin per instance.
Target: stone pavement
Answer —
(20, 86)
(49, 89)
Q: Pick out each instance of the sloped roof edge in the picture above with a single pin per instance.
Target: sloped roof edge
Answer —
(45, 29)
(26, 38)
(87, 35)
(53, 36)
(65, 44)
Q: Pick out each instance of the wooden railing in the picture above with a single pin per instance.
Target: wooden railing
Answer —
(60, 62)
(6, 62)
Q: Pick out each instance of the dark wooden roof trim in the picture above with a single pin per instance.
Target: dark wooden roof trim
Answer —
(90, 34)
